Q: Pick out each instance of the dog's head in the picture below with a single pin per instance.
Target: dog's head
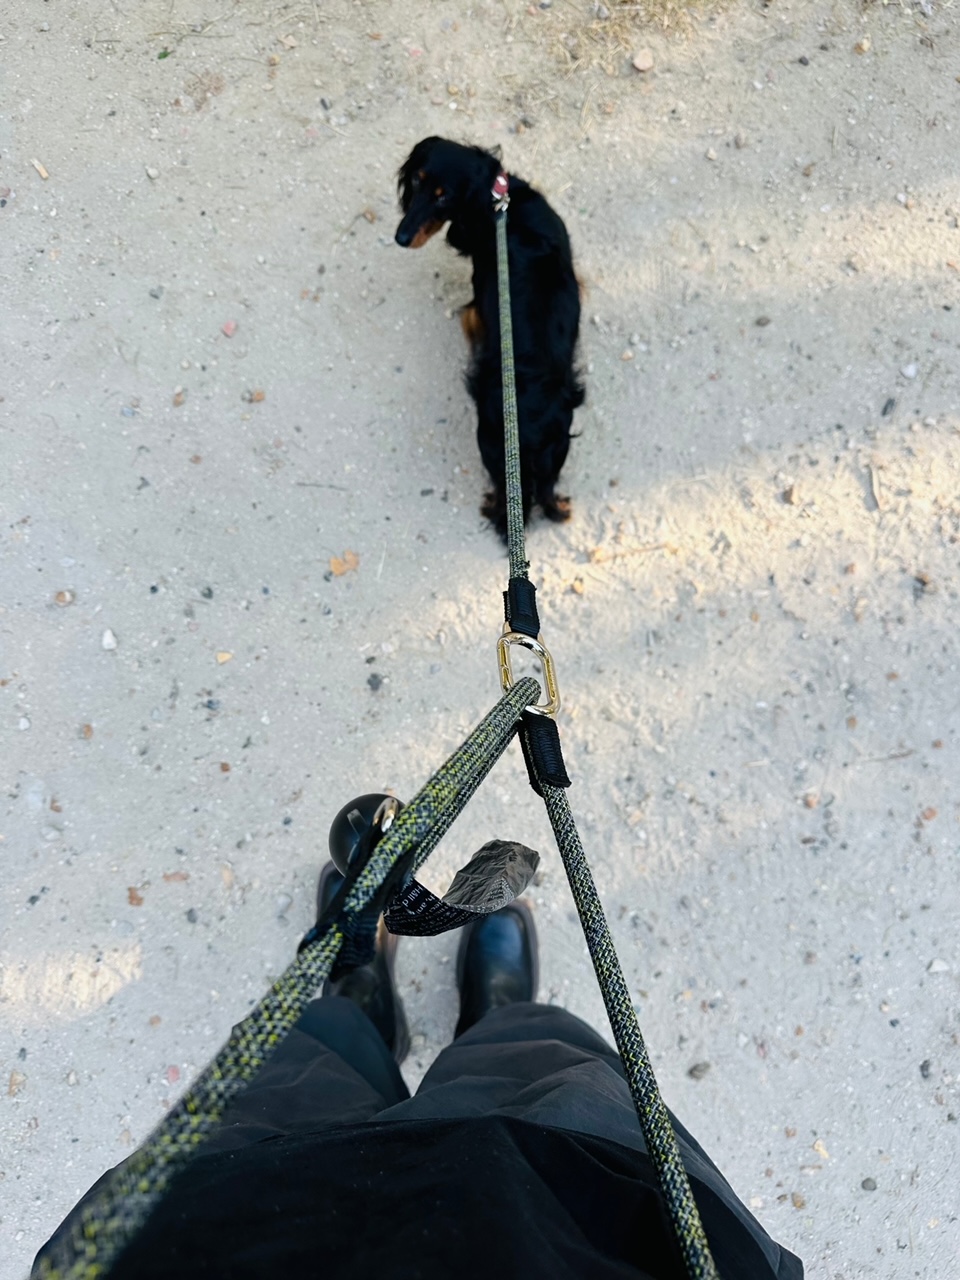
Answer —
(437, 181)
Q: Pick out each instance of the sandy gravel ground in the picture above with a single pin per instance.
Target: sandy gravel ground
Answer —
(244, 574)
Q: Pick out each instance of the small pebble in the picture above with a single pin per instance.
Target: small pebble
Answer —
(938, 966)
(869, 1184)
(909, 370)
(888, 408)
(643, 61)
(108, 640)
(925, 1068)
(804, 60)
(63, 598)
(23, 724)
(284, 902)
(711, 154)
(72, 1077)
(192, 915)
(157, 291)
(152, 174)
(698, 1070)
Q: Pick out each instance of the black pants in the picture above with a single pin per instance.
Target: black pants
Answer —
(529, 1062)
(532, 1061)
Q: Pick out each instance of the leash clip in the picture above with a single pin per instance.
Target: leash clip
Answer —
(501, 192)
(542, 654)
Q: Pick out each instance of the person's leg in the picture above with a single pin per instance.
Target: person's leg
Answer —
(543, 1065)
(533, 1061)
(339, 1063)
(333, 1068)
(514, 1057)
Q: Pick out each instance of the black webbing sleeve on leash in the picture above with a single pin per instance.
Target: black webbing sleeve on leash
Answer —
(520, 607)
(540, 740)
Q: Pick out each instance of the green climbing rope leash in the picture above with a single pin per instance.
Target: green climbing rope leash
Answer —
(654, 1118)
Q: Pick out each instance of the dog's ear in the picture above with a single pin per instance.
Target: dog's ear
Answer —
(404, 187)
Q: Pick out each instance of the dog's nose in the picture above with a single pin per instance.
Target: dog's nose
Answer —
(403, 236)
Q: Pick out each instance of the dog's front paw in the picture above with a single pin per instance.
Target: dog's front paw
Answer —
(558, 509)
(494, 510)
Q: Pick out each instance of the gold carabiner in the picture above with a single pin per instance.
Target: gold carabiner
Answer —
(536, 647)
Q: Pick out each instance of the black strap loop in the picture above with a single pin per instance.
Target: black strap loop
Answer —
(359, 929)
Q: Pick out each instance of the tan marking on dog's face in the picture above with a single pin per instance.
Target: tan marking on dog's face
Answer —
(425, 232)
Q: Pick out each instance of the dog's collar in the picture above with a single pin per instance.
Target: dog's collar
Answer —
(501, 192)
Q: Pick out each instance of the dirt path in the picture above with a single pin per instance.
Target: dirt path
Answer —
(219, 376)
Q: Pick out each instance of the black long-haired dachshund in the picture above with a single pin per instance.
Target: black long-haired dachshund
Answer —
(440, 182)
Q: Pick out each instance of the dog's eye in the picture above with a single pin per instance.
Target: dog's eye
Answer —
(440, 195)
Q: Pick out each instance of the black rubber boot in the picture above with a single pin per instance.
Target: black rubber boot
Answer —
(497, 963)
(371, 986)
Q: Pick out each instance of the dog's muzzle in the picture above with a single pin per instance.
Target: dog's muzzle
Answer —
(415, 237)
